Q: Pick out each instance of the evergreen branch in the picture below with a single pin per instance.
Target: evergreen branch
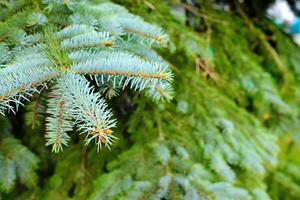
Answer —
(140, 75)
(88, 109)
(118, 63)
(27, 59)
(102, 9)
(118, 20)
(23, 40)
(16, 86)
(137, 26)
(137, 48)
(96, 47)
(87, 20)
(73, 30)
(58, 121)
(89, 39)
(125, 68)
(159, 37)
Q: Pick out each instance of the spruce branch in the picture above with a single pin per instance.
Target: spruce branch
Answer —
(73, 30)
(116, 19)
(136, 72)
(58, 121)
(96, 43)
(26, 59)
(89, 110)
(17, 86)
(89, 39)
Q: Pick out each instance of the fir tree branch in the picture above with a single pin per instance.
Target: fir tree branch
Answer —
(58, 121)
(98, 47)
(15, 87)
(141, 73)
(73, 30)
(89, 39)
(120, 73)
(89, 110)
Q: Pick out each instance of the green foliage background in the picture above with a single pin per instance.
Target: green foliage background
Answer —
(231, 132)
